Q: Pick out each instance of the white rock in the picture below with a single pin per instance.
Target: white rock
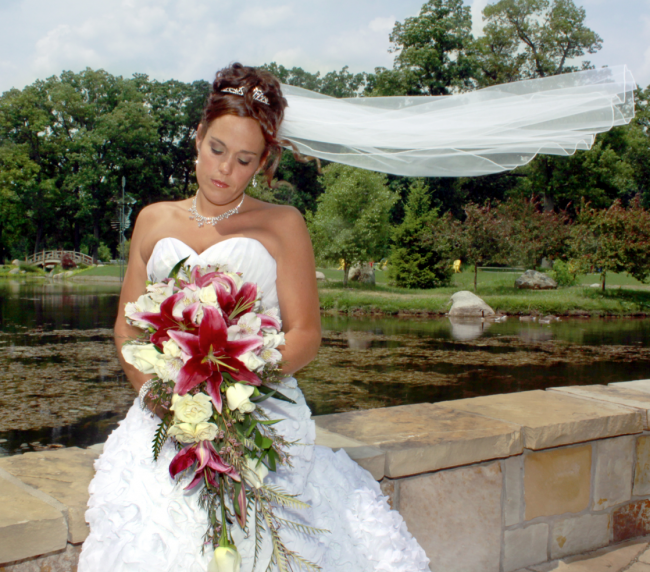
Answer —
(363, 273)
(524, 546)
(320, 276)
(533, 280)
(580, 534)
(468, 304)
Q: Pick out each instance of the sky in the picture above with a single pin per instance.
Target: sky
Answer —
(190, 39)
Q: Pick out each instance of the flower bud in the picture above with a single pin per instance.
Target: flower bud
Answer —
(226, 559)
(237, 396)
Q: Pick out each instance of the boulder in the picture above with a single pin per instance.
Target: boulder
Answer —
(15, 270)
(15, 262)
(320, 276)
(533, 280)
(363, 273)
(467, 304)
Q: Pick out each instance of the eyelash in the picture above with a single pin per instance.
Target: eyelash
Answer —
(218, 152)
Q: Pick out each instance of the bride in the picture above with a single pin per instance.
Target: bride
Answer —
(140, 519)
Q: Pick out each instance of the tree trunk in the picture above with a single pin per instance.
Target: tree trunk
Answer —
(475, 275)
(39, 236)
(95, 248)
(346, 271)
(603, 276)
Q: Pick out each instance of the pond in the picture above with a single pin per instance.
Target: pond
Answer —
(61, 383)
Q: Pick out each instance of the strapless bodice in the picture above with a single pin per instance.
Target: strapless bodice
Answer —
(238, 254)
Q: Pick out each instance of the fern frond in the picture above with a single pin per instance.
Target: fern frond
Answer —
(259, 528)
(301, 527)
(278, 496)
(160, 437)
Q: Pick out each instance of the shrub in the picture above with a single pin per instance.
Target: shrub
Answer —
(104, 253)
(565, 274)
(67, 262)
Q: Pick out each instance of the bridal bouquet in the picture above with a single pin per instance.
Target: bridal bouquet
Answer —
(212, 351)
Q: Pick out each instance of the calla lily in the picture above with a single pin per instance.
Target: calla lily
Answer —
(165, 321)
(208, 463)
(212, 354)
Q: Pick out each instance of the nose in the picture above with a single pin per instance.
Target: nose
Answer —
(225, 166)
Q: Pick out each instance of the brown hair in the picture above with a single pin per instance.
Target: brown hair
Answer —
(268, 116)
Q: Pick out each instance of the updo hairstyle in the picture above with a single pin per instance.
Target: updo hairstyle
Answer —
(268, 116)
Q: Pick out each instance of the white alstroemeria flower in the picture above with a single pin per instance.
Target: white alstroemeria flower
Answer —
(159, 291)
(143, 304)
(191, 408)
(168, 369)
(255, 473)
(208, 295)
(191, 433)
(237, 396)
(237, 279)
(226, 559)
(248, 325)
(273, 340)
(252, 361)
(270, 355)
(142, 356)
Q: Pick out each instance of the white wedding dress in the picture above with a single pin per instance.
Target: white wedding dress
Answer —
(142, 521)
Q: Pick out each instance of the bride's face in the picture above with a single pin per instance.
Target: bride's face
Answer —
(229, 154)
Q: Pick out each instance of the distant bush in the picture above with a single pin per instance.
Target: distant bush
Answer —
(565, 274)
(30, 268)
(67, 262)
(104, 253)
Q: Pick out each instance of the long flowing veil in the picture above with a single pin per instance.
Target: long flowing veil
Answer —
(477, 133)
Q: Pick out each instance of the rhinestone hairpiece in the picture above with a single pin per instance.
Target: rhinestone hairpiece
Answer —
(258, 94)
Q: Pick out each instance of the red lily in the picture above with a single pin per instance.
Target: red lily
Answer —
(211, 354)
(208, 461)
(164, 321)
(241, 302)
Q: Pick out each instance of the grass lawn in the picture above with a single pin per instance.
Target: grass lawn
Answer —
(113, 270)
(624, 296)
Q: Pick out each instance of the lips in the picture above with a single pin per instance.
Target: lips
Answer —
(218, 183)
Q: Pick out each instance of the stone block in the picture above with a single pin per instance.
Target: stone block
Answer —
(631, 520)
(580, 534)
(638, 384)
(28, 525)
(425, 437)
(550, 418)
(613, 472)
(514, 489)
(557, 481)
(525, 546)
(62, 561)
(642, 467)
(617, 394)
(63, 474)
(609, 559)
(456, 517)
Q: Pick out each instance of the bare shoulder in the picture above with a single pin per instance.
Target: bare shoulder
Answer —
(283, 220)
(160, 210)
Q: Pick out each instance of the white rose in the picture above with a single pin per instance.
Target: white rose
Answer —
(237, 396)
(142, 356)
(226, 559)
(237, 279)
(191, 408)
(251, 360)
(171, 349)
(160, 291)
(255, 473)
(190, 433)
(208, 295)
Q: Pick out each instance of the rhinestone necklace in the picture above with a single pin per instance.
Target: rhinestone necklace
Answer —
(213, 220)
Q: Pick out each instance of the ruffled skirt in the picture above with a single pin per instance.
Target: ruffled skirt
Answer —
(143, 521)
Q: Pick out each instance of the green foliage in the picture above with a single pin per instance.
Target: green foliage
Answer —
(104, 253)
(352, 219)
(564, 273)
(421, 254)
(124, 249)
(433, 52)
(613, 240)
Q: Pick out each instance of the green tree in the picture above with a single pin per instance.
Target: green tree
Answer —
(533, 38)
(433, 52)
(352, 219)
(616, 239)
(421, 255)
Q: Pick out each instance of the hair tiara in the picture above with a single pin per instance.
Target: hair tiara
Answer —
(258, 94)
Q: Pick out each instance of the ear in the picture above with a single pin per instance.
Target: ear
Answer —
(199, 136)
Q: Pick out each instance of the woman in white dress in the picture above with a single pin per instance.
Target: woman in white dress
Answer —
(140, 519)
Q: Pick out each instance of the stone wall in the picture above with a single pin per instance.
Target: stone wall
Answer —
(489, 484)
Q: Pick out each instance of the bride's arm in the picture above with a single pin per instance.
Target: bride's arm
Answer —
(132, 288)
(297, 291)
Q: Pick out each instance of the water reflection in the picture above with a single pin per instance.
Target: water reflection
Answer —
(466, 329)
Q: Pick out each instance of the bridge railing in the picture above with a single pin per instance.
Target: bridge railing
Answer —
(56, 256)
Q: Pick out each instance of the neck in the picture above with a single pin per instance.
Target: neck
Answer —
(215, 209)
